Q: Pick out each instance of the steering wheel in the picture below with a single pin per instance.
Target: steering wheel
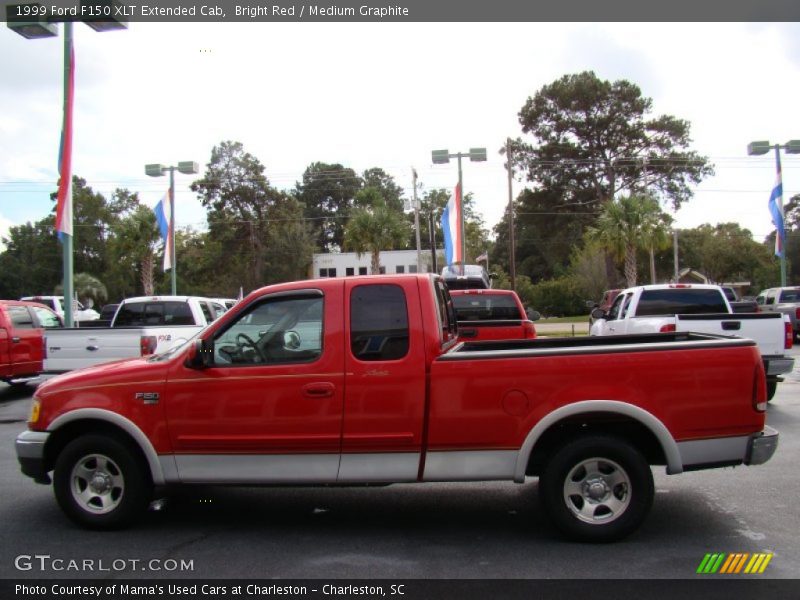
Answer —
(244, 341)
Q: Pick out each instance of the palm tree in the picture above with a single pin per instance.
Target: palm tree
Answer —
(87, 287)
(629, 224)
(374, 227)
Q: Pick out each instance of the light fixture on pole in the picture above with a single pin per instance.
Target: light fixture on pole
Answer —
(776, 198)
(442, 157)
(32, 21)
(186, 167)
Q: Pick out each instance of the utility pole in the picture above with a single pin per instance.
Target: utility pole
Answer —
(512, 261)
(675, 252)
(432, 236)
(416, 222)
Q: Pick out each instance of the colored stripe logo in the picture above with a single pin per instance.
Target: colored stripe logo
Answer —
(735, 563)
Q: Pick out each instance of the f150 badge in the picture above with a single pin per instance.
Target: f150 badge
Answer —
(147, 397)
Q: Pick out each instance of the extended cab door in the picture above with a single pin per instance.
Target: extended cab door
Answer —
(385, 376)
(25, 346)
(614, 323)
(269, 408)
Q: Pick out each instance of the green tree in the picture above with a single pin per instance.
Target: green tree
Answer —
(375, 227)
(31, 263)
(627, 225)
(546, 233)
(133, 248)
(89, 289)
(726, 252)
(392, 193)
(594, 138)
(588, 269)
(327, 193)
(252, 221)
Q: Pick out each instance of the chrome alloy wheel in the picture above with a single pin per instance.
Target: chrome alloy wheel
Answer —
(97, 484)
(597, 491)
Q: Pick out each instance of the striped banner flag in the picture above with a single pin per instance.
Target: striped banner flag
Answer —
(64, 196)
(452, 232)
(776, 210)
(163, 212)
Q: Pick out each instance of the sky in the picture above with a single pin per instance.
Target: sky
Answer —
(382, 95)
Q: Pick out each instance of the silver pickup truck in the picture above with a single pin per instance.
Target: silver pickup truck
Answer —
(141, 326)
(784, 300)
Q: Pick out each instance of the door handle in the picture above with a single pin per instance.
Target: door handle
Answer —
(318, 390)
(92, 348)
(15, 340)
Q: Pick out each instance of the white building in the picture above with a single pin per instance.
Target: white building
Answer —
(346, 264)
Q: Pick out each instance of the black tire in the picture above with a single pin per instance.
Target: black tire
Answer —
(772, 387)
(613, 485)
(101, 483)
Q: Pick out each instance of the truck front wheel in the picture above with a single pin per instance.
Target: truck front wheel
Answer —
(100, 483)
(597, 489)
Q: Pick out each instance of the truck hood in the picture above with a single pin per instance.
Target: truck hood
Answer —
(131, 370)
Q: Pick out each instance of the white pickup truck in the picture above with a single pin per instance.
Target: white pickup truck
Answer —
(699, 308)
(56, 303)
(141, 326)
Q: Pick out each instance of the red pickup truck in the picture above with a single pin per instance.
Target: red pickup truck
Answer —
(491, 314)
(362, 380)
(22, 340)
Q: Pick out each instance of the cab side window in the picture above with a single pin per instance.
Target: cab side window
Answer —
(378, 322)
(20, 317)
(275, 331)
(46, 318)
(614, 311)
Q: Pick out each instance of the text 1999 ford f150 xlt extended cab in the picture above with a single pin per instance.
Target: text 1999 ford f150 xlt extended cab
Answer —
(362, 380)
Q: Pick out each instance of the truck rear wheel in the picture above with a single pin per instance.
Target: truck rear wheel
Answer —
(772, 387)
(100, 483)
(597, 489)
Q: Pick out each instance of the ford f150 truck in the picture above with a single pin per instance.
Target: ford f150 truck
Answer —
(362, 380)
(141, 326)
(492, 315)
(22, 339)
(700, 308)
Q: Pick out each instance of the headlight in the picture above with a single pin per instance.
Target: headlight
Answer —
(35, 408)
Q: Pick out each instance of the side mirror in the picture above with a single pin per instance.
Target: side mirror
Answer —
(590, 304)
(291, 340)
(533, 315)
(201, 356)
(598, 313)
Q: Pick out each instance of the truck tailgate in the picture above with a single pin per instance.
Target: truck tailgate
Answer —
(766, 329)
(68, 349)
(491, 330)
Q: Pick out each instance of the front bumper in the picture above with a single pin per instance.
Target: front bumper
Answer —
(30, 454)
(761, 446)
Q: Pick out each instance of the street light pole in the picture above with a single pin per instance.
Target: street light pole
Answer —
(31, 22)
(172, 261)
(442, 157)
(461, 231)
(790, 147)
(512, 259)
(67, 238)
(416, 222)
(186, 167)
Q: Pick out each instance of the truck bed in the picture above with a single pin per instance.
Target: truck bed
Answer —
(619, 343)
